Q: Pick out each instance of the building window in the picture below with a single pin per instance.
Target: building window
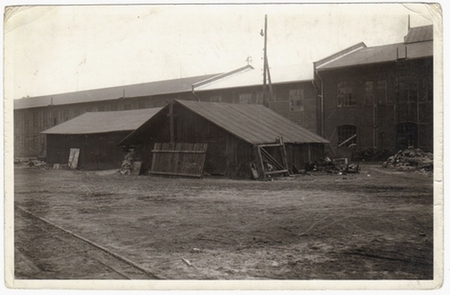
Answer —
(127, 106)
(259, 97)
(296, 97)
(35, 120)
(216, 98)
(344, 95)
(245, 98)
(346, 136)
(66, 115)
(427, 86)
(382, 92)
(142, 105)
(407, 90)
(368, 99)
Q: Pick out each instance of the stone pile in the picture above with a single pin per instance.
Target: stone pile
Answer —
(410, 159)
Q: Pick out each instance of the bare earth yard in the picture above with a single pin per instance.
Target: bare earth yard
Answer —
(374, 225)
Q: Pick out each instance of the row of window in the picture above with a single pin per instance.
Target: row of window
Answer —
(296, 99)
(406, 91)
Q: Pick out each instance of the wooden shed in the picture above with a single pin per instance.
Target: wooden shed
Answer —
(236, 140)
(95, 136)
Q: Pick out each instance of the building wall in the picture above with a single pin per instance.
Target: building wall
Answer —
(295, 101)
(97, 151)
(380, 103)
(28, 123)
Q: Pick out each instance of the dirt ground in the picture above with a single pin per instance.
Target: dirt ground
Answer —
(374, 225)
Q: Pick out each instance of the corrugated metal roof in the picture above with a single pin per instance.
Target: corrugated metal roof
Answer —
(254, 77)
(419, 34)
(255, 124)
(101, 122)
(134, 90)
(378, 54)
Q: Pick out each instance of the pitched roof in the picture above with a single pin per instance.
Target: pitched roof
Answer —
(419, 34)
(255, 124)
(418, 43)
(254, 77)
(101, 122)
(379, 54)
(134, 90)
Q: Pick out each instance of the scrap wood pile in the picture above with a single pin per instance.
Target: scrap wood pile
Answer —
(37, 164)
(127, 163)
(338, 166)
(410, 159)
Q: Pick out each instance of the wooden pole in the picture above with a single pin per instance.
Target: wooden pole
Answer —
(265, 61)
(172, 128)
(259, 162)
(284, 154)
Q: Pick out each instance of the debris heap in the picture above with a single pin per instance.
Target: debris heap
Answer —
(328, 165)
(37, 164)
(127, 164)
(410, 159)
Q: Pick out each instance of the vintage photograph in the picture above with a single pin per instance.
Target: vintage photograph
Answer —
(252, 144)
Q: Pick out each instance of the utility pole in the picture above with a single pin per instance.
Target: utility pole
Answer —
(266, 72)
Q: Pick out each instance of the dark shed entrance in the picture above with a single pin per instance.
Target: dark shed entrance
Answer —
(231, 132)
(96, 135)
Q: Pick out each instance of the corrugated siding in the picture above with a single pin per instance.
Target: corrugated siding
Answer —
(100, 122)
(256, 124)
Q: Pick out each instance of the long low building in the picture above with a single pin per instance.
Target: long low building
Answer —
(293, 95)
(96, 135)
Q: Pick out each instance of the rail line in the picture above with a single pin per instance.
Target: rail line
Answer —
(116, 263)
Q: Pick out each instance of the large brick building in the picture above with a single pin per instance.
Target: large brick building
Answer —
(378, 97)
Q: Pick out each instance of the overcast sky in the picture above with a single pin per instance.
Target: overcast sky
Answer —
(58, 49)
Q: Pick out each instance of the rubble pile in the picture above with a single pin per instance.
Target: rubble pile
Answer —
(371, 154)
(410, 159)
(338, 166)
(37, 164)
(127, 164)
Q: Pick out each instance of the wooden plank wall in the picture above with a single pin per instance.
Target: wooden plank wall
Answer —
(180, 159)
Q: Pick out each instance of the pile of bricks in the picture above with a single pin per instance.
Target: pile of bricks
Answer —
(410, 159)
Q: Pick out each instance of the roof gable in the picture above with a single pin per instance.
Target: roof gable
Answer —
(379, 54)
(254, 77)
(101, 122)
(419, 34)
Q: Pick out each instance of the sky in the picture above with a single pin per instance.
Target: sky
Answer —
(59, 49)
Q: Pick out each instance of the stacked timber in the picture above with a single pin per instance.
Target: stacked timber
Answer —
(127, 163)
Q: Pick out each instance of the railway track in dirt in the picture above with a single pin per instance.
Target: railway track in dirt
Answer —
(41, 239)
